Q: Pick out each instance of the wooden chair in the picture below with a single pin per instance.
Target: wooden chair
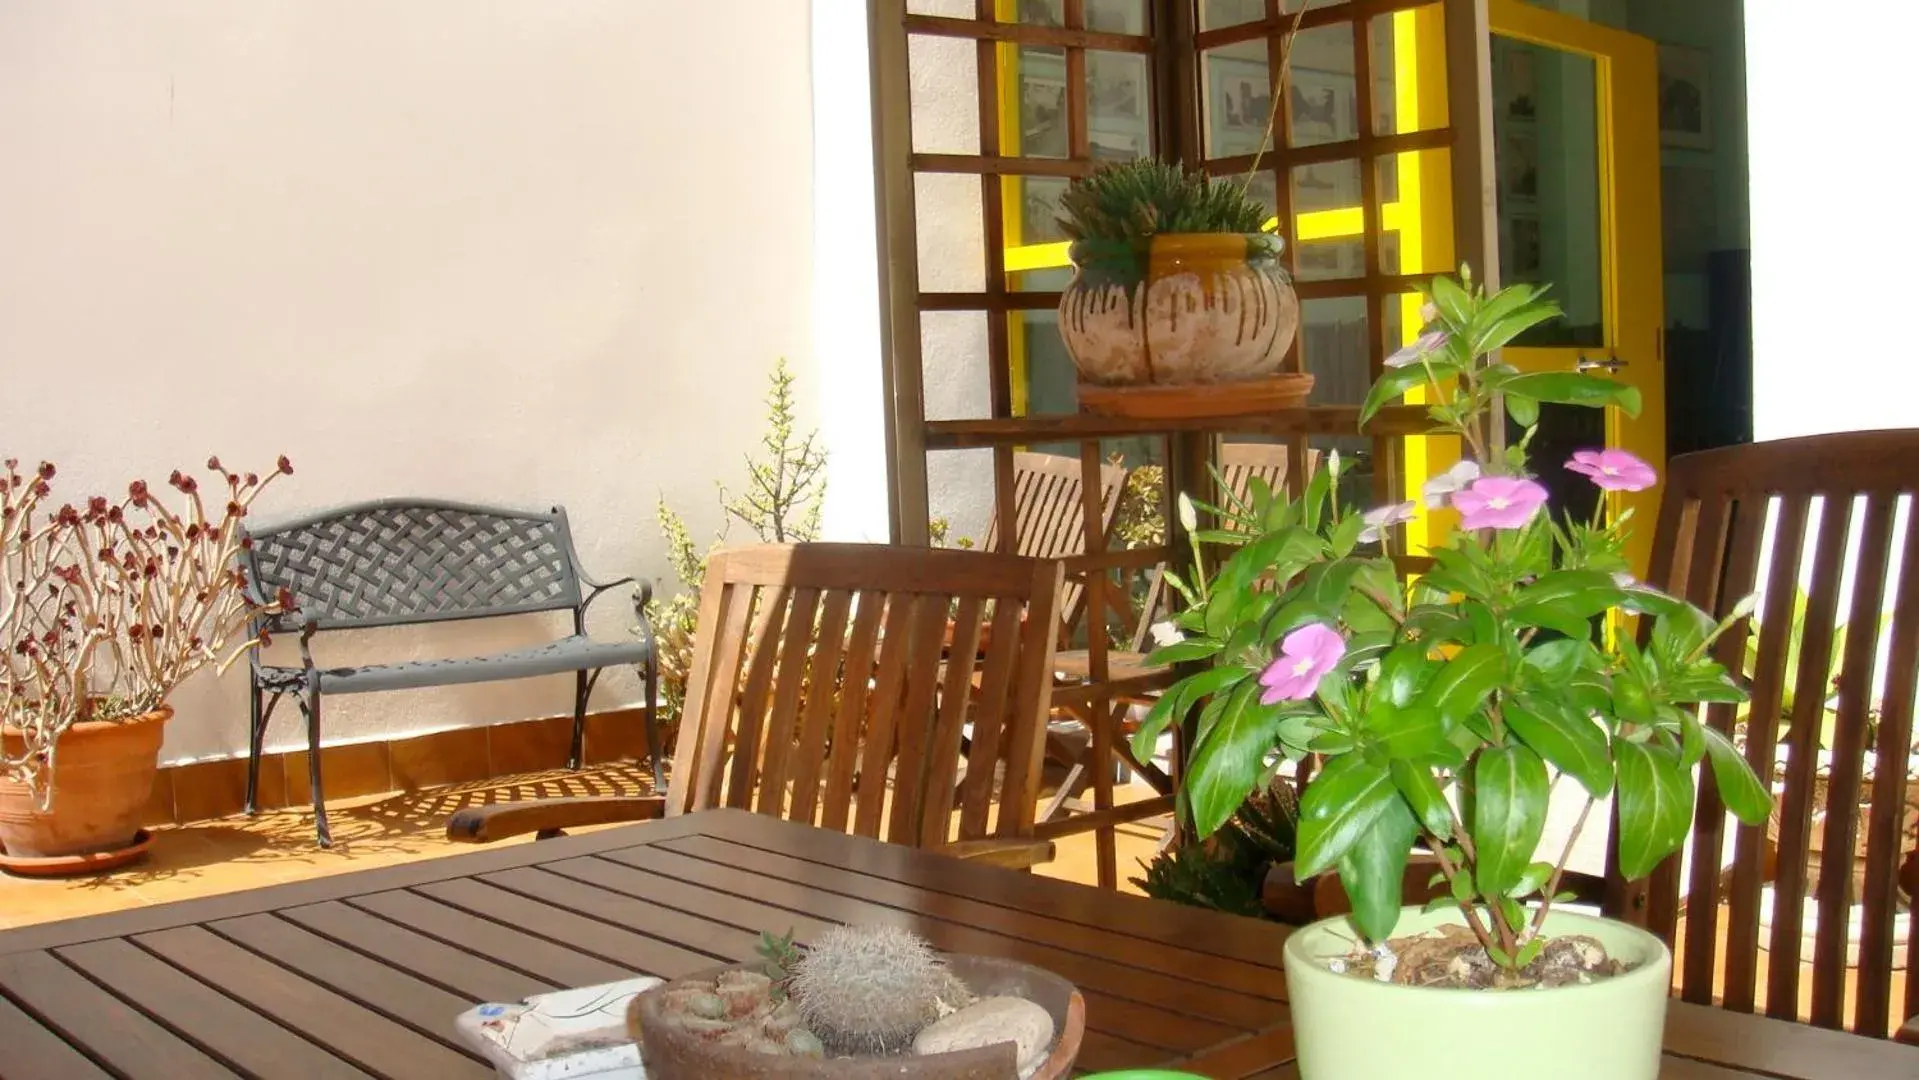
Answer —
(1050, 520)
(1732, 521)
(819, 693)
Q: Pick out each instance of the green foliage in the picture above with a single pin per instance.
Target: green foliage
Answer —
(1453, 704)
(1131, 202)
(1226, 871)
(786, 489)
(780, 958)
(1788, 687)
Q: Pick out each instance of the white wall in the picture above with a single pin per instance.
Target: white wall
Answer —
(1831, 243)
(522, 252)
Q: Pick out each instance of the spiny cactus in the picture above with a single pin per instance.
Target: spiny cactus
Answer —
(1136, 200)
(870, 989)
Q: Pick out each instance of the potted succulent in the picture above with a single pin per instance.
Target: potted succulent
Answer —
(1178, 303)
(105, 608)
(1444, 711)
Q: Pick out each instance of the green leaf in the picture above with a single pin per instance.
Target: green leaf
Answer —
(1455, 306)
(1529, 952)
(1413, 733)
(1676, 633)
(1530, 881)
(1464, 682)
(1465, 890)
(1565, 601)
(1574, 744)
(1569, 388)
(1654, 806)
(1392, 385)
(1227, 762)
(1739, 787)
(1345, 535)
(1338, 807)
(1631, 700)
(1692, 744)
(1182, 651)
(1177, 701)
(1509, 814)
(1554, 663)
(1423, 794)
(1523, 410)
(1373, 871)
(1402, 673)
(1500, 329)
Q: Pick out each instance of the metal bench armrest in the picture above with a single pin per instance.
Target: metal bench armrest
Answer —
(549, 817)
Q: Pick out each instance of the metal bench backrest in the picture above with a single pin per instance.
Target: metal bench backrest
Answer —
(399, 562)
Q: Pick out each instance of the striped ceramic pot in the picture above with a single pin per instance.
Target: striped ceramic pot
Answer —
(1178, 309)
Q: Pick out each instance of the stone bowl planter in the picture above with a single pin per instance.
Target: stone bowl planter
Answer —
(672, 1053)
(1182, 310)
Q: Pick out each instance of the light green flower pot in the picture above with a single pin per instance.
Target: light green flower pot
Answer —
(1358, 1029)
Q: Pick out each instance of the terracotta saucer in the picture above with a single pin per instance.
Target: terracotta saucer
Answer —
(66, 865)
(1249, 397)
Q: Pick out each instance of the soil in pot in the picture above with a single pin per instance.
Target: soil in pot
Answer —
(102, 780)
(1450, 957)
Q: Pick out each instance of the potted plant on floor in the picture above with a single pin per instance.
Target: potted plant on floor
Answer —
(1444, 711)
(104, 609)
(1178, 304)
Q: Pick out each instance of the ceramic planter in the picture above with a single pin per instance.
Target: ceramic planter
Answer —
(1188, 309)
(102, 780)
(1357, 1029)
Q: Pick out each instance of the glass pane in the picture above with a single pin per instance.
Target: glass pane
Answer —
(1214, 14)
(1405, 44)
(1046, 386)
(1333, 340)
(1042, 104)
(1118, 105)
(1038, 12)
(1238, 100)
(1036, 218)
(1116, 16)
(1356, 466)
(1326, 221)
(1546, 142)
(945, 94)
(1562, 430)
(952, 9)
(1324, 96)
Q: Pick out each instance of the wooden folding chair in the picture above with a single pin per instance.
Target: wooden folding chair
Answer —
(821, 692)
(1741, 519)
(1049, 522)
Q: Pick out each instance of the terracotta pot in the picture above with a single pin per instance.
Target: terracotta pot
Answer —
(102, 778)
(1349, 1028)
(1181, 309)
(674, 1054)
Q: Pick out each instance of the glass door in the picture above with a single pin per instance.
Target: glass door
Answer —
(1576, 148)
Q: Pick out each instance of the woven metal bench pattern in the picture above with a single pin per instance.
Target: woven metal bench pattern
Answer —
(412, 562)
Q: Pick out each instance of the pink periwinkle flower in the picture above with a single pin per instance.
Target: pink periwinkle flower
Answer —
(1498, 502)
(1379, 519)
(1305, 657)
(1613, 470)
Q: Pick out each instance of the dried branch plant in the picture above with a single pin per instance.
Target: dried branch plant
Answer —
(105, 609)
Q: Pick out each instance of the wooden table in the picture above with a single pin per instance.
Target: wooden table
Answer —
(361, 974)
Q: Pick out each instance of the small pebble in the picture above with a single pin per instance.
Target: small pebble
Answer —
(988, 1022)
(803, 1043)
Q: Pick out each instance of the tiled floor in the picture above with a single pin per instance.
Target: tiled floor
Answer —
(237, 853)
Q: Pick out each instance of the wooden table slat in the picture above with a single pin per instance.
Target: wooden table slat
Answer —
(473, 977)
(368, 1039)
(126, 1040)
(29, 1051)
(485, 938)
(641, 953)
(225, 1027)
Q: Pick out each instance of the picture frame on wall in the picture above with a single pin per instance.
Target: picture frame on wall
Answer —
(1239, 98)
(1042, 105)
(1685, 97)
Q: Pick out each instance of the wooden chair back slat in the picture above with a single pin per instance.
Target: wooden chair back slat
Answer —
(825, 693)
(1885, 831)
(1833, 510)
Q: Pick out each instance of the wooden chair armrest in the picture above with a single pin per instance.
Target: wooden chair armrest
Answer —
(548, 817)
(1018, 854)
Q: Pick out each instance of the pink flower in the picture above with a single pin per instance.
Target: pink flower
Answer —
(1305, 656)
(1498, 502)
(1613, 470)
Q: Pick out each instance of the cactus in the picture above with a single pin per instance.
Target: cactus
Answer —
(869, 990)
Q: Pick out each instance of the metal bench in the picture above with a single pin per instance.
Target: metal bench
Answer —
(407, 562)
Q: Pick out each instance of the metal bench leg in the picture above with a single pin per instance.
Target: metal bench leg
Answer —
(256, 740)
(652, 679)
(582, 686)
(310, 707)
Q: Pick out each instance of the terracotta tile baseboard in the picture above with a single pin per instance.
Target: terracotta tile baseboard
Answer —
(201, 790)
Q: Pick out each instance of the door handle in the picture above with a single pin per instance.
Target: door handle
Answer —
(1607, 364)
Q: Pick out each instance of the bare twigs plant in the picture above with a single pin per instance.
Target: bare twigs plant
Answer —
(106, 608)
